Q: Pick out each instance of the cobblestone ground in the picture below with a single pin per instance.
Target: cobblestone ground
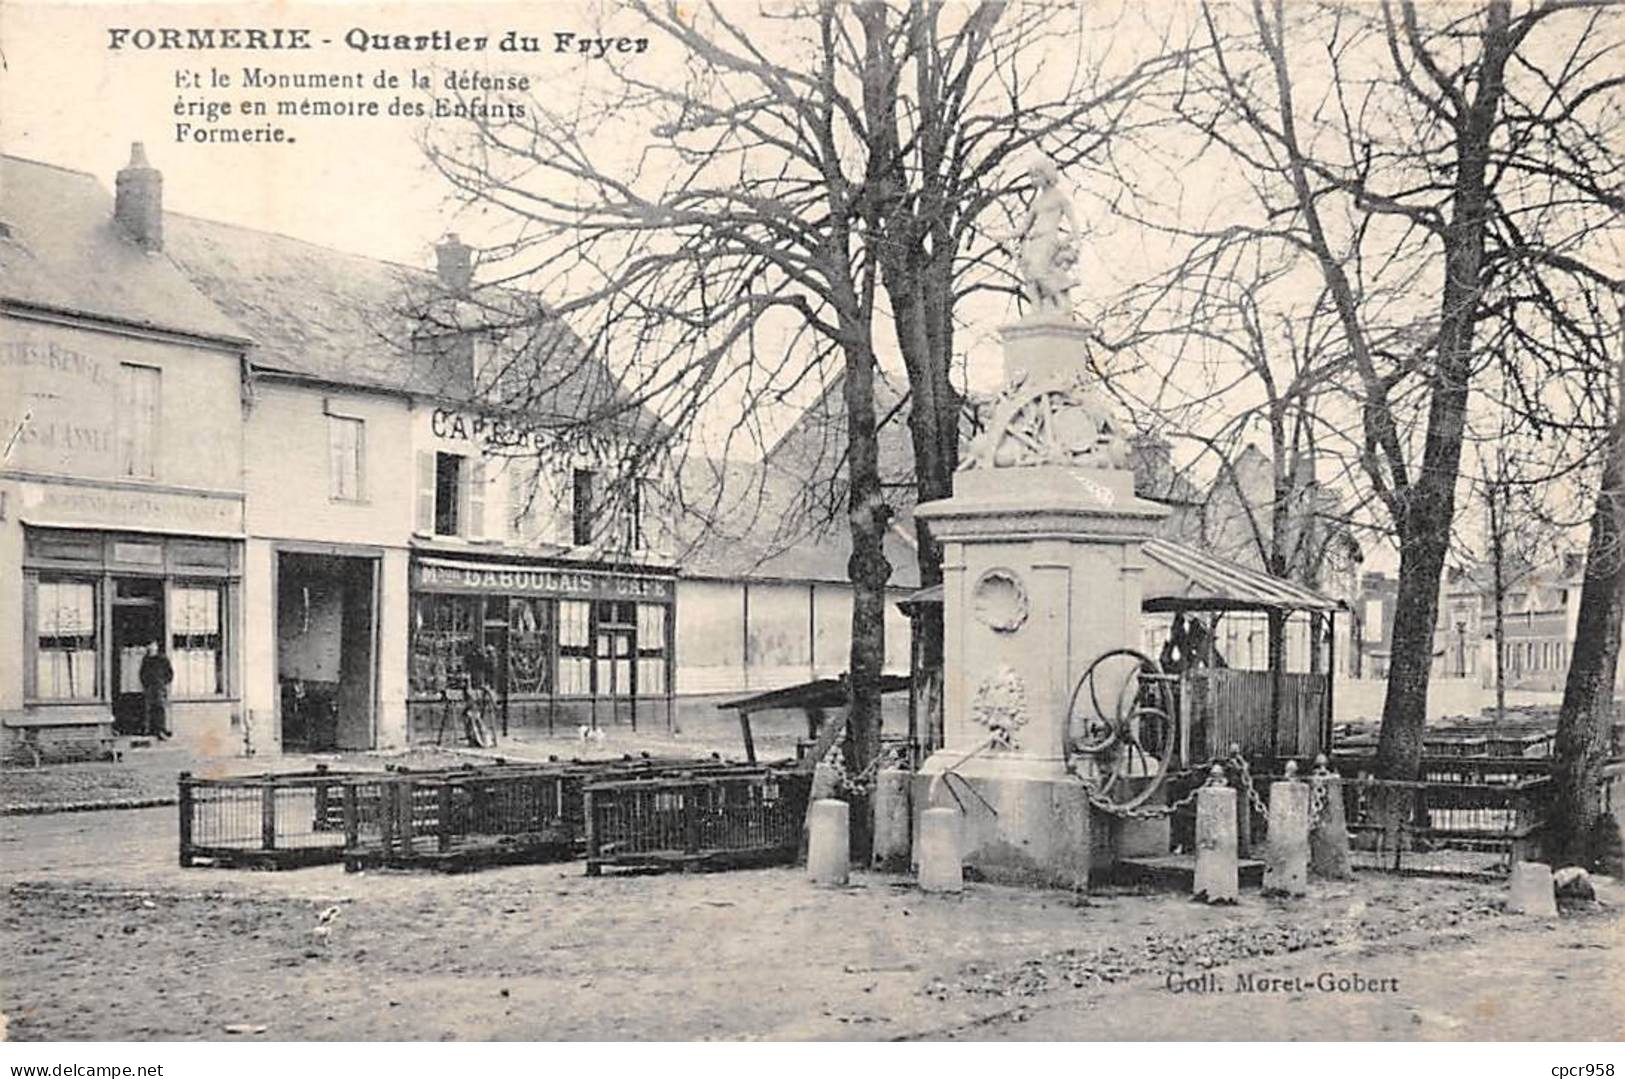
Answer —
(103, 936)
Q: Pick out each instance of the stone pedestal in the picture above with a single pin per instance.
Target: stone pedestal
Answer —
(941, 869)
(892, 820)
(1286, 861)
(828, 844)
(1041, 567)
(1218, 872)
(1329, 854)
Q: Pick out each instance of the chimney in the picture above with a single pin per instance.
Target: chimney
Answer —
(138, 200)
(455, 264)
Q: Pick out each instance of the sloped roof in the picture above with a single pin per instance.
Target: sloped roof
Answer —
(755, 520)
(311, 310)
(1181, 578)
(353, 320)
(61, 250)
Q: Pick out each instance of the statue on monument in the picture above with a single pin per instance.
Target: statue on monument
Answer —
(1048, 252)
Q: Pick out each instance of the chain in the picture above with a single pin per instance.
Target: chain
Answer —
(1242, 767)
(1106, 805)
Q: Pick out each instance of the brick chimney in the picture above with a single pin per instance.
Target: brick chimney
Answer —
(138, 200)
(455, 264)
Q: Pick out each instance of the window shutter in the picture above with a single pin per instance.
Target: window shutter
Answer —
(425, 517)
(517, 500)
(474, 488)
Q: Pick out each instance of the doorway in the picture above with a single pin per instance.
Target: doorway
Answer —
(137, 621)
(326, 627)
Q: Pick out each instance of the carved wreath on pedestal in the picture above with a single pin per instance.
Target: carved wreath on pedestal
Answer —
(1051, 422)
(1000, 705)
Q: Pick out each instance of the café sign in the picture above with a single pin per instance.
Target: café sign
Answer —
(440, 575)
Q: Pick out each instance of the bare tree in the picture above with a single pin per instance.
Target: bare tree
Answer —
(815, 175)
(1464, 158)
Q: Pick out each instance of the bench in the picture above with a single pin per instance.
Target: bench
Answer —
(23, 730)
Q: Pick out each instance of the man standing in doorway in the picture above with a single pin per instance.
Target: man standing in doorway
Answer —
(156, 675)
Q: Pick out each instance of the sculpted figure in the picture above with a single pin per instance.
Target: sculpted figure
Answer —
(1048, 252)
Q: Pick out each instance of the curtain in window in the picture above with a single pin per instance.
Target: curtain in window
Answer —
(196, 644)
(65, 664)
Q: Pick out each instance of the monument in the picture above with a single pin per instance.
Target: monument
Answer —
(1041, 570)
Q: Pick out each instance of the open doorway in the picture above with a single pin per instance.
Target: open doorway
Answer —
(326, 608)
(137, 621)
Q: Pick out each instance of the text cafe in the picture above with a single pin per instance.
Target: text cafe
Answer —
(572, 645)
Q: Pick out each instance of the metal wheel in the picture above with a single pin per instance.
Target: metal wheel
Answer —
(1120, 723)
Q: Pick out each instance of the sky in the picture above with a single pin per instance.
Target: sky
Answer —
(77, 88)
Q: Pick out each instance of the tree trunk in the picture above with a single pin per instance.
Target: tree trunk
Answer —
(1430, 504)
(1585, 721)
(868, 570)
(1498, 567)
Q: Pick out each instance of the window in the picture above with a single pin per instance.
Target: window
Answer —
(581, 508)
(448, 485)
(196, 643)
(443, 626)
(451, 495)
(524, 497)
(631, 517)
(346, 442)
(65, 627)
(137, 420)
(1373, 620)
(575, 647)
(651, 649)
(530, 639)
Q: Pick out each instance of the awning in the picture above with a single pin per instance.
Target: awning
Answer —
(1181, 578)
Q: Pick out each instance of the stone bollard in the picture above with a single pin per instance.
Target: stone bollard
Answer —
(892, 820)
(829, 843)
(940, 867)
(1329, 856)
(1531, 891)
(826, 778)
(1217, 872)
(1286, 862)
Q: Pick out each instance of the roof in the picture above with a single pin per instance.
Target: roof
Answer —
(757, 520)
(1181, 578)
(353, 320)
(62, 251)
(820, 693)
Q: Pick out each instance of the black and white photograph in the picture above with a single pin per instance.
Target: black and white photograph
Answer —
(696, 521)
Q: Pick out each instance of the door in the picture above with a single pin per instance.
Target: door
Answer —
(138, 621)
(613, 657)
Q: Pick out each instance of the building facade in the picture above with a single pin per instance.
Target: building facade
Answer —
(121, 489)
(242, 447)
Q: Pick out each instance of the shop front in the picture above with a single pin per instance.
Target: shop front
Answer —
(570, 645)
(96, 603)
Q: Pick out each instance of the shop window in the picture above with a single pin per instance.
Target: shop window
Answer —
(196, 640)
(346, 446)
(443, 626)
(138, 419)
(581, 507)
(530, 646)
(65, 630)
(651, 649)
(575, 647)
